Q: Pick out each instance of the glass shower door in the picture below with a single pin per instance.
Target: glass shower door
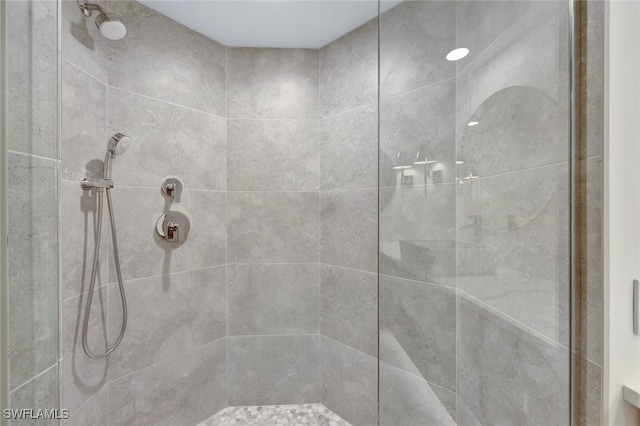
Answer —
(30, 203)
(474, 213)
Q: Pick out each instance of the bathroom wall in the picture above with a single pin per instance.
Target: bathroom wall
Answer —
(165, 87)
(349, 222)
(417, 291)
(32, 203)
(273, 179)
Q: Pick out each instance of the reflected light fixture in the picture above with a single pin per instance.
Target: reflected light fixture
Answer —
(457, 54)
(472, 123)
(459, 162)
(402, 162)
(422, 157)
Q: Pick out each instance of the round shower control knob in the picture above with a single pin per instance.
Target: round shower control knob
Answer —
(173, 227)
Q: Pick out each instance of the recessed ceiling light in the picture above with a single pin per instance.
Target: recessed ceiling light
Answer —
(457, 54)
(472, 123)
(459, 162)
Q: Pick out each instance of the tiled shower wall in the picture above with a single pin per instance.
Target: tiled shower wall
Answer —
(290, 180)
(349, 225)
(274, 222)
(32, 212)
(165, 87)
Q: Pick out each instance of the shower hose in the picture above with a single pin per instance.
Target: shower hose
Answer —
(94, 271)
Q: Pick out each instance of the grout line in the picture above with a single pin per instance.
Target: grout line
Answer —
(349, 269)
(43, 372)
(26, 154)
(510, 320)
(274, 335)
(78, 67)
(131, 92)
(432, 84)
(395, 367)
(190, 351)
(346, 111)
(306, 191)
(133, 280)
(419, 282)
(312, 120)
(496, 39)
(351, 348)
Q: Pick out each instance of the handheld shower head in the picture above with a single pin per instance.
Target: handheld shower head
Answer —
(118, 144)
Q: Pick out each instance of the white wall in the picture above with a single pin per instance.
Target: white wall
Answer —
(622, 206)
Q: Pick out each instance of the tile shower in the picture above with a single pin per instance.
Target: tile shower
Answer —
(303, 280)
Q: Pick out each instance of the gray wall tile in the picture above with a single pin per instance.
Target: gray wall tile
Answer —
(269, 370)
(183, 390)
(349, 70)
(276, 155)
(167, 315)
(415, 37)
(349, 308)
(167, 140)
(82, 43)
(520, 128)
(349, 143)
(409, 400)
(519, 264)
(477, 34)
(349, 383)
(417, 233)
(82, 377)
(165, 60)
(39, 393)
(464, 416)
(32, 81)
(95, 412)
(32, 266)
(418, 329)
(349, 229)
(276, 227)
(143, 253)
(272, 83)
(273, 299)
(503, 65)
(506, 375)
(422, 117)
(84, 136)
(78, 221)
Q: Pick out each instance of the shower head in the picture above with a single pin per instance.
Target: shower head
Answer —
(118, 144)
(112, 29)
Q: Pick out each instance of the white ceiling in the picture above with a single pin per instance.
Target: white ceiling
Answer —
(271, 23)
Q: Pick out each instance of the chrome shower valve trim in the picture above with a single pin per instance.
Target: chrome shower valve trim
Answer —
(100, 184)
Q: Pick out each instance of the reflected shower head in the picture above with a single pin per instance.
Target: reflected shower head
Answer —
(118, 144)
(112, 29)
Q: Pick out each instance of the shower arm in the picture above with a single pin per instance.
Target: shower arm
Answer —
(88, 8)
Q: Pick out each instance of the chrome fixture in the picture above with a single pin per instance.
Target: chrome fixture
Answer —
(402, 163)
(112, 29)
(172, 188)
(118, 144)
(173, 227)
(476, 225)
(423, 157)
